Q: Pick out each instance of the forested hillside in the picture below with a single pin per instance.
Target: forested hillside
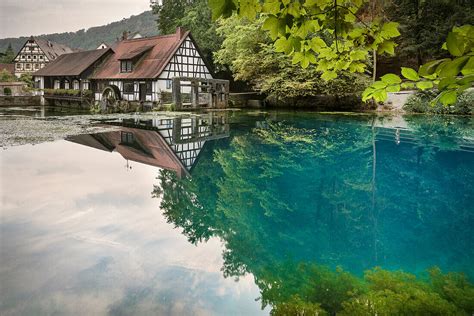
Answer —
(89, 39)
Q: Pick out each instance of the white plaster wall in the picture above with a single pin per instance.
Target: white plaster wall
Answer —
(398, 99)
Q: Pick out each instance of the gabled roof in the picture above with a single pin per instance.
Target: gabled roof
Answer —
(52, 49)
(150, 65)
(136, 53)
(72, 64)
(8, 67)
(155, 152)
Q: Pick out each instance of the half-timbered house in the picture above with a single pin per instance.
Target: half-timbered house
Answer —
(143, 69)
(72, 71)
(36, 53)
(169, 143)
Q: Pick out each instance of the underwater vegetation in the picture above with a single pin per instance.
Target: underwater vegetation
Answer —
(330, 217)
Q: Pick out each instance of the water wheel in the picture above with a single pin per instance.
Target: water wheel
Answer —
(110, 96)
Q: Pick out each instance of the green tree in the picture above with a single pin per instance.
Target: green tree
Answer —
(298, 30)
(169, 13)
(9, 55)
(248, 52)
(334, 35)
(28, 79)
(6, 76)
(424, 26)
(192, 15)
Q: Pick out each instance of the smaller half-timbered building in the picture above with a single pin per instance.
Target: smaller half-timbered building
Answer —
(36, 53)
(72, 71)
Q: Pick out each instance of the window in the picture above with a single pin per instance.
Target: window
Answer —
(75, 85)
(34, 57)
(126, 66)
(66, 84)
(85, 85)
(56, 84)
(168, 84)
(28, 66)
(22, 57)
(127, 138)
(128, 87)
(35, 66)
(40, 57)
(28, 57)
(99, 86)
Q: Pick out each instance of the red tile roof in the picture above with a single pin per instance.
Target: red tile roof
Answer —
(159, 152)
(8, 67)
(160, 51)
(72, 64)
(52, 49)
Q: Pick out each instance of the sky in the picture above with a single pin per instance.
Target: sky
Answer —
(36, 17)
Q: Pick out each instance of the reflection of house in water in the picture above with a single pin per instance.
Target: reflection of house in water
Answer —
(168, 143)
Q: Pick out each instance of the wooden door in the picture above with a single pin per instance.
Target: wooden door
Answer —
(142, 92)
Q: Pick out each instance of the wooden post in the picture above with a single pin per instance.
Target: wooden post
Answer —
(195, 93)
(176, 130)
(176, 93)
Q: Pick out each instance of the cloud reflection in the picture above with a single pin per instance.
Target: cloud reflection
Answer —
(80, 234)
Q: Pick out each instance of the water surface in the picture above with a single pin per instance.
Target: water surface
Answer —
(201, 214)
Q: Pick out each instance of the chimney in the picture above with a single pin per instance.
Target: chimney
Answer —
(180, 32)
(124, 35)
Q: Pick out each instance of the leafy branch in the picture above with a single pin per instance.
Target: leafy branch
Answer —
(450, 76)
(326, 33)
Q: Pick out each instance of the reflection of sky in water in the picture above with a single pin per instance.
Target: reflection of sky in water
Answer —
(81, 234)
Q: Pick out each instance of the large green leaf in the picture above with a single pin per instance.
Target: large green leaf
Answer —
(448, 97)
(468, 68)
(453, 68)
(387, 47)
(423, 85)
(410, 74)
(358, 54)
(271, 6)
(429, 68)
(317, 43)
(248, 9)
(391, 79)
(455, 45)
(445, 82)
(390, 30)
(273, 25)
(393, 88)
(221, 8)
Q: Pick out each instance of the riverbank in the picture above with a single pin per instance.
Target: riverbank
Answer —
(8, 101)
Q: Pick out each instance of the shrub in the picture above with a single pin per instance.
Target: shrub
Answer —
(68, 92)
(421, 103)
(6, 76)
(7, 91)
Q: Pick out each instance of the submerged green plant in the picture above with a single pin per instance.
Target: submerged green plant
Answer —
(291, 237)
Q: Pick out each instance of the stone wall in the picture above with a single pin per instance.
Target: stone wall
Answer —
(20, 101)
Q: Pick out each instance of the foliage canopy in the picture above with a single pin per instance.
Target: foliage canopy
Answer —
(337, 36)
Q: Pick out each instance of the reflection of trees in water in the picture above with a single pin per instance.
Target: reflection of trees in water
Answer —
(291, 202)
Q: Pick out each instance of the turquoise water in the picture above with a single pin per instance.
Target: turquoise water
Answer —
(222, 213)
